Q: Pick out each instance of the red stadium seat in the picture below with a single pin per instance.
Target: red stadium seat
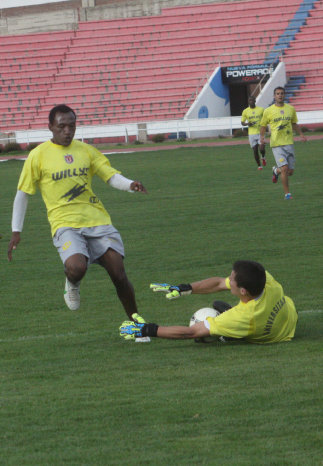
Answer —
(151, 67)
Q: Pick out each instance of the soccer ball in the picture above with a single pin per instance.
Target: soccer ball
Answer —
(200, 316)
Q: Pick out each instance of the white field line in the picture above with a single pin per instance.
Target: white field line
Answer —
(95, 332)
(310, 311)
(3, 159)
(13, 158)
(119, 152)
(46, 337)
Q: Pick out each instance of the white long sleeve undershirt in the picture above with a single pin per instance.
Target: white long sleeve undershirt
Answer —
(120, 182)
(19, 210)
(21, 200)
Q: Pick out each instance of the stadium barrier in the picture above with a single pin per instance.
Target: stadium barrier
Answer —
(128, 131)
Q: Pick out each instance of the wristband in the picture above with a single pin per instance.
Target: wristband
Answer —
(185, 288)
(149, 330)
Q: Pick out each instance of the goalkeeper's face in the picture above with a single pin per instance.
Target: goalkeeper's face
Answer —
(235, 289)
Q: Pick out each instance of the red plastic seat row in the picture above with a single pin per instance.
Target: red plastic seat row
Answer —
(154, 24)
(53, 36)
(176, 17)
(149, 67)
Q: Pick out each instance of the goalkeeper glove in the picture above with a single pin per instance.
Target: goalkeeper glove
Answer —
(172, 291)
(138, 320)
(132, 330)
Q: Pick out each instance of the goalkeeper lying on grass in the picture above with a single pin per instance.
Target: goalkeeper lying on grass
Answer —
(263, 315)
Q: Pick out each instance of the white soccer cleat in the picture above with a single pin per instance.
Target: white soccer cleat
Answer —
(142, 340)
(72, 295)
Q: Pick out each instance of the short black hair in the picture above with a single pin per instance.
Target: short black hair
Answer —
(62, 108)
(250, 275)
(279, 87)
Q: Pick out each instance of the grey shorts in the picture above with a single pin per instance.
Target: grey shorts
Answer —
(92, 242)
(284, 155)
(254, 139)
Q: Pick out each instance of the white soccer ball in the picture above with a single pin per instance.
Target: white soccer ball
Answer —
(200, 316)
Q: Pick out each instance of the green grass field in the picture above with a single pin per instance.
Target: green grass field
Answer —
(74, 393)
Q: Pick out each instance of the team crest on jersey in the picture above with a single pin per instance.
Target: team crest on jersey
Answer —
(69, 158)
(282, 112)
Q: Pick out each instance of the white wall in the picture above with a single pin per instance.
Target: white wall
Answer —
(266, 96)
(16, 3)
(214, 96)
(194, 128)
(213, 101)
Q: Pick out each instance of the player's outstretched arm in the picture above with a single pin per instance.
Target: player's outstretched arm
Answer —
(138, 186)
(262, 137)
(298, 130)
(118, 181)
(132, 330)
(178, 332)
(18, 215)
(15, 240)
(172, 291)
(209, 285)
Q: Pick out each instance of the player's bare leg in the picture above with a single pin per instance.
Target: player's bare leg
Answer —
(263, 156)
(112, 261)
(256, 155)
(284, 177)
(75, 268)
(285, 172)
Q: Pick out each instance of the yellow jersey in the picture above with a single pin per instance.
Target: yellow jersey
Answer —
(64, 176)
(252, 115)
(270, 318)
(280, 120)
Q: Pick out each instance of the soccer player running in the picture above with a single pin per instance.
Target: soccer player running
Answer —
(264, 313)
(282, 119)
(251, 117)
(82, 231)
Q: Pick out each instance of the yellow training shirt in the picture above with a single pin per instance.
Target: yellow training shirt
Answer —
(280, 120)
(270, 318)
(63, 176)
(252, 115)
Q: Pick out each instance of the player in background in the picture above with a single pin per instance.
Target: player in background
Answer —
(264, 313)
(251, 117)
(282, 119)
(62, 168)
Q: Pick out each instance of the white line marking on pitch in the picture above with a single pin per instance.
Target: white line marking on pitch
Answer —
(310, 311)
(44, 337)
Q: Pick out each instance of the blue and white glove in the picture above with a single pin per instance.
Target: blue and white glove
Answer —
(172, 291)
(131, 330)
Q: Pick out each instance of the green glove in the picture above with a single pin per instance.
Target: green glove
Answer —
(131, 330)
(172, 291)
